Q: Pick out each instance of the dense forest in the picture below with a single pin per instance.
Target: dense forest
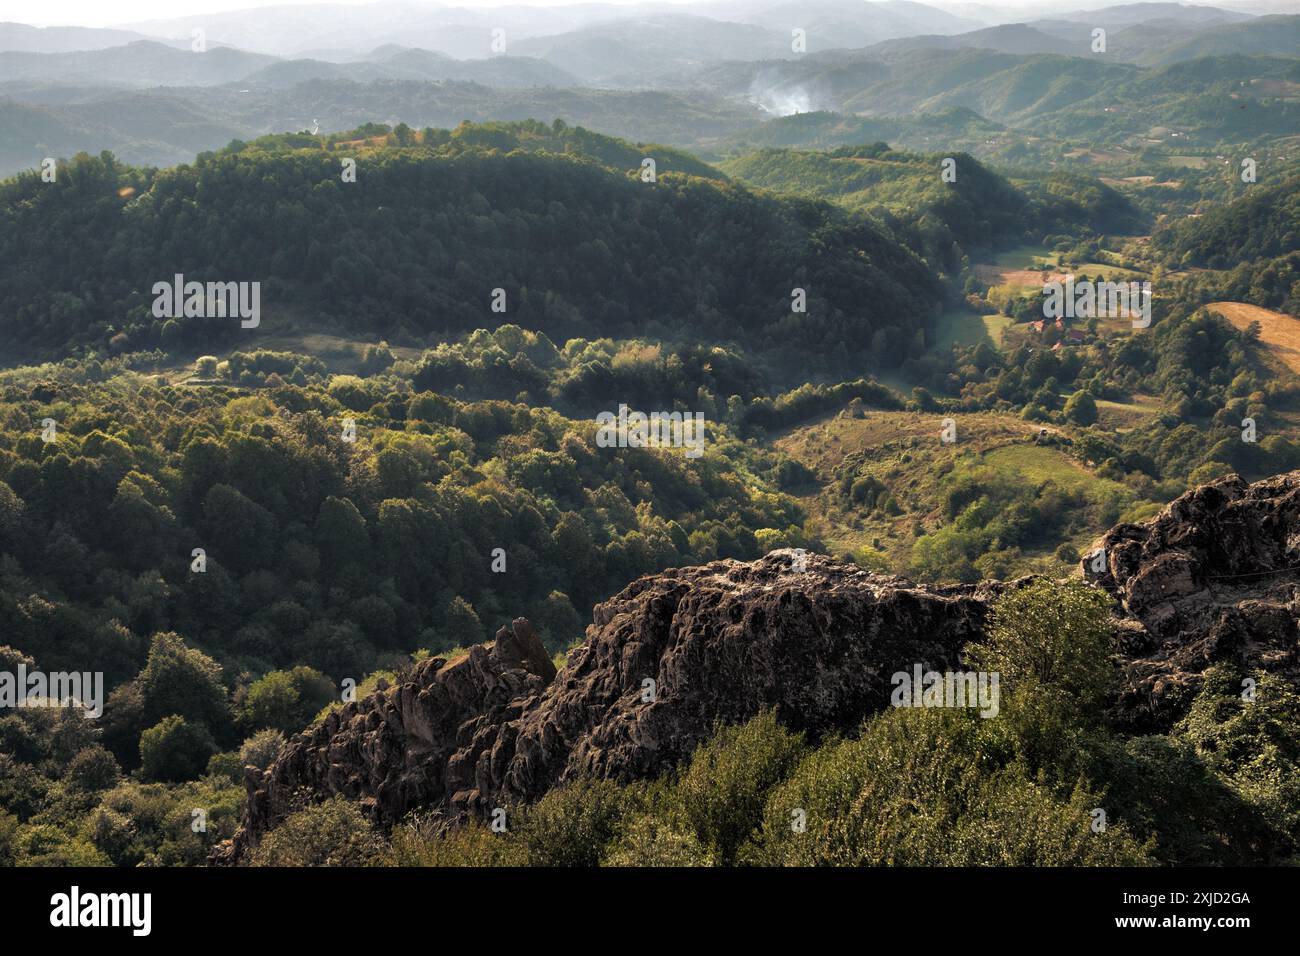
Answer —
(1261, 225)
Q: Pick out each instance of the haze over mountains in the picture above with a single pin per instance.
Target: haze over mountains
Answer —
(718, 70)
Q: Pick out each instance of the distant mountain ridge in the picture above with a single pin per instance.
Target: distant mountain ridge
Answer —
(1007, 38)
(21, 38)
(147, 63)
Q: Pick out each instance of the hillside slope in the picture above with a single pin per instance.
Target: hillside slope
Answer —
(942, 204)
(1259, 224)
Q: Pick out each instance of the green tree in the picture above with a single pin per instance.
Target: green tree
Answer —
(242, 532)
(92, 770)
(174, 749)
(286, 700)
(1081, 408)
(462, 628)
(1050, 637)
(184, 681)
(341, 535)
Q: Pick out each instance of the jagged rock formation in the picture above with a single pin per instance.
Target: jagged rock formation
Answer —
(405, 746)
(723, 642)
(663, 662)
(1212, 577)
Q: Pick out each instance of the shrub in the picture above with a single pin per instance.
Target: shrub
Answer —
(1161, 786)
(1253, 745)
(725, 786)
(8, 833)
(426, 843)
(655, 841)
(572, 825)
(47, 845)
(261, 749)
(1014, 821)
(929, 788)
(333, 833)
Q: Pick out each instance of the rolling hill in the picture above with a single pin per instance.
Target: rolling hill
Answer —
(941, 220)
(556, 217)
(1007, 38)
(1263, 222)
(1273, 36)
(21, 38)
(955, 128)
(142, 63)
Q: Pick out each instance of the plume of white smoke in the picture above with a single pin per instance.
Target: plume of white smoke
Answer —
(777, 99)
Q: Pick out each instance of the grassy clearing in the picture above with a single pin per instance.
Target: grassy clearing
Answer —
(970, 328)
(903, 451)
(1125, 416)
(1107, 271)
(1036, 464)
(1019, 271)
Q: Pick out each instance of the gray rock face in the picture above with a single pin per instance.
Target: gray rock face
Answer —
(402, 747)
(664, 661)
(722, 643)
(1214, 577)
(1210, 578)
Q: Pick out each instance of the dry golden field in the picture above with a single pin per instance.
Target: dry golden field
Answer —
(1279, 331)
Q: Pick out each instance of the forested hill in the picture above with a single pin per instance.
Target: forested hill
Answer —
(562, 220)
(941, 218)
(1263, 223)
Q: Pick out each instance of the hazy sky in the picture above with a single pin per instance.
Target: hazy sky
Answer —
(117, 12)
(100, 13)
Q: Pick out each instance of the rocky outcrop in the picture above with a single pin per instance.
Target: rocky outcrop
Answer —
(675, 653)
(664, 661)
(404, 746)
(1211, 578)
(1214, 577)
